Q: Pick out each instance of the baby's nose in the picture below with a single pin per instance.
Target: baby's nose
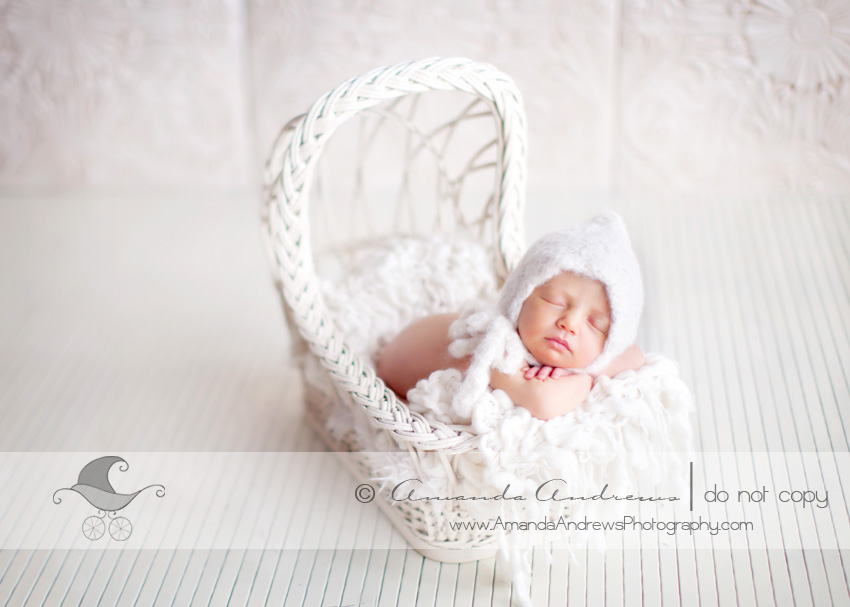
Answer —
(569, 320)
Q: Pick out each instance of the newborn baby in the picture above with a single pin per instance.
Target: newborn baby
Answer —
(567, 314)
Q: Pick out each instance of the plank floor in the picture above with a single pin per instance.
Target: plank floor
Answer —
(153, 326)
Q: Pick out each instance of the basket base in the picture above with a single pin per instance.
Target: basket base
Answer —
(429, 551)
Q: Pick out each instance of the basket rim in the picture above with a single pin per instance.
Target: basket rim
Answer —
(287, 179)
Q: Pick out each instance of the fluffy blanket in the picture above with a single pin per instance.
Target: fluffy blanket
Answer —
(632, 433)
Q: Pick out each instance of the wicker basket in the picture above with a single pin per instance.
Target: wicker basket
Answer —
(334, 375)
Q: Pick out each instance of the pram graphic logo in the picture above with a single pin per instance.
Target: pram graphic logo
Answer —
(93, 484)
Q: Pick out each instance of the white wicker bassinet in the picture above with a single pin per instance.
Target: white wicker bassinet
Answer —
(489, 209)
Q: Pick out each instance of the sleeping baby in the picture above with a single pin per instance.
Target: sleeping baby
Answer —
(567, 314)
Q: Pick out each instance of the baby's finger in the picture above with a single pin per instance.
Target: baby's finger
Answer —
(558, 372)
(530, 372)
(544, 372)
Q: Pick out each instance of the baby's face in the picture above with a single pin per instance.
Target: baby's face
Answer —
(565, 321)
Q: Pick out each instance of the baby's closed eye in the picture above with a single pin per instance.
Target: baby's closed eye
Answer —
(598, 324)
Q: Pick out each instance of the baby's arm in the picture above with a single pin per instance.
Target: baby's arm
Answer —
(631, 358)
(544, 399)
(567, 391)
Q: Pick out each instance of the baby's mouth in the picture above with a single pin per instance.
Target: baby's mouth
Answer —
(559, 344)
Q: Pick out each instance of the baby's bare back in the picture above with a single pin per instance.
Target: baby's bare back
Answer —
(423, 347)
(416, 352)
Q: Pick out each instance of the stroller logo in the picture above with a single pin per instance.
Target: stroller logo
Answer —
(93, 484)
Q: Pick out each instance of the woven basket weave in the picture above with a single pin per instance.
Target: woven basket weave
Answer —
(343, 378)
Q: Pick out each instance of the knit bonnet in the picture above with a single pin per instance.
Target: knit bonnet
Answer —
(600, 250)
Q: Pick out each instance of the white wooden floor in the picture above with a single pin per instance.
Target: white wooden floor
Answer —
(152, 325)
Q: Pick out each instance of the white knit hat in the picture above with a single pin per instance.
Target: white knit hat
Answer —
(600, 250)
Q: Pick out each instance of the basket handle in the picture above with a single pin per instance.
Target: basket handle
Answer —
(288, 176)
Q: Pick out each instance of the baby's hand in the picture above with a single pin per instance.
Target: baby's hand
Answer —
(544, 372)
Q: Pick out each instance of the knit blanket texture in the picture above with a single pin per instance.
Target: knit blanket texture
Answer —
(631, 435)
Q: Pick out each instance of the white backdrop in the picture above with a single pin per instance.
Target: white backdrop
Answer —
(137, 311)
(623, 96)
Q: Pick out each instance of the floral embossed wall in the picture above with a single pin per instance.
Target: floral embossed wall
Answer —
(622, 95)
(736, 95)
(122, 92)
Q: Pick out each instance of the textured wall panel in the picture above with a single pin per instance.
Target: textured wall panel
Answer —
(558, 53)
(111, 92)
(735, 96)
(622, 95)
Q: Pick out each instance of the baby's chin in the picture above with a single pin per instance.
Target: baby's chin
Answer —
(569, 363)
(562, 362)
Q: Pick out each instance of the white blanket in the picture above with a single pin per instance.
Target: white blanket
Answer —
(632, 433)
